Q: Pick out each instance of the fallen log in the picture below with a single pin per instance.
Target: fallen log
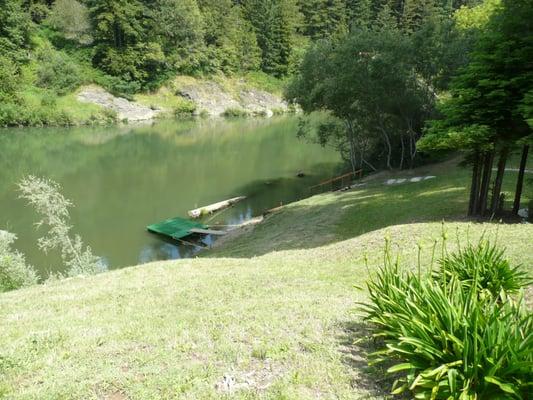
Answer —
(198, 212)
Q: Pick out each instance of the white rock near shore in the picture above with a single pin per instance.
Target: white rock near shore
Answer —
(208, 96)
(211, 98)
(125, 109)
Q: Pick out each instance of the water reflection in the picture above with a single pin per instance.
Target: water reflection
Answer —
(122, 179)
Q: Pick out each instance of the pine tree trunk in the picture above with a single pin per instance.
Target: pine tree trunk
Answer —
(520, 180)
(496, 192)
(474, 188)
(485, 183)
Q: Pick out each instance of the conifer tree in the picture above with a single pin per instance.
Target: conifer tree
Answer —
(274, 23)
(323, 18)
(359, 13)
(485, 114)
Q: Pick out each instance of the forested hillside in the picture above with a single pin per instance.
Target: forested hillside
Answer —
(49, 48)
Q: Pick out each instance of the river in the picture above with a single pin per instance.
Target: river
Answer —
(123, 178)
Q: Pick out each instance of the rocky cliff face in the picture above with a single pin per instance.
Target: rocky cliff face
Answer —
(125, 109)
(211, 98)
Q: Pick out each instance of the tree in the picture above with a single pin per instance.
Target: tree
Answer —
(230, 38)
(323, 18)
(123, 48)
(72, 19)
(359, 13)
(179, 28)
(14, 30)
(484, 114)
(369, 83)
(274, 23)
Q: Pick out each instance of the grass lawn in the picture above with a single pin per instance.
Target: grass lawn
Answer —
(275, 321)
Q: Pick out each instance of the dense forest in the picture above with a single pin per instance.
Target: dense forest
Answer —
(52, 47)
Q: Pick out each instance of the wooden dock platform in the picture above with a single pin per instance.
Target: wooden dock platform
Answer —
(177, 228)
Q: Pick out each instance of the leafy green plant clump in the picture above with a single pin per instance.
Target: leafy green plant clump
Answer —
(235, 113)
(485, 267)
(454, 332)
(14, 272)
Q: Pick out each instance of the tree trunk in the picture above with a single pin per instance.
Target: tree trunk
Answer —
(474, 188)
(520, 180)
(412, 153)
(389, 147)
(403, 152)
(351, 140)
(370, 165)
(485, 182)
(504, 152)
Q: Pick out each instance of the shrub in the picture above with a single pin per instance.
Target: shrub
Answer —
(38, 12)
(14, 272)
(446, 341)
(235, 113)
(9, 80)
(485, 267)
(48, 201)
(185, 109)
(57, 72)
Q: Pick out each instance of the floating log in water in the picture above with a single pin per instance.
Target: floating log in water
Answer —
(208, 232)
(198, 212)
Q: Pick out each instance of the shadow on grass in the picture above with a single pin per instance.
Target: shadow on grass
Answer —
(356, 343)
(333, 217)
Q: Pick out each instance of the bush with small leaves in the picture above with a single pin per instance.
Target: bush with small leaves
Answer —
(14, 272)
(45, 196)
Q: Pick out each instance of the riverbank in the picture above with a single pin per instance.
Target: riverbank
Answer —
(252, 95)
(276, 320)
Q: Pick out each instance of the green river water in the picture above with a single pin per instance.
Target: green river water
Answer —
(123, 178)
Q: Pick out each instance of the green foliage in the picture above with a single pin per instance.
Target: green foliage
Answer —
(9, 76)
(179, 29)
(369, 82)
(48, 201)
(485, 268)
(476, 17)
(39, 12)
(274, 22)
(235, 113)
(57, 72)
(444, 339)
(359, 13)
(185, 109)
(14, 272)
(14, 30)
(71, 18)
(323, 18)
(491, 90)
(231, 43)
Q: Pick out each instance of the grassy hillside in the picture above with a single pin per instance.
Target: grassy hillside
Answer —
(333, 217)
(279, 326)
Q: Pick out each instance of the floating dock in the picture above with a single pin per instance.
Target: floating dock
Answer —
(177, 228)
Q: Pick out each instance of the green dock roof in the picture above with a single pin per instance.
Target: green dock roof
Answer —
(175, 228)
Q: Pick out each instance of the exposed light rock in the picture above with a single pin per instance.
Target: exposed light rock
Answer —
(125, 109)
(213, 99)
